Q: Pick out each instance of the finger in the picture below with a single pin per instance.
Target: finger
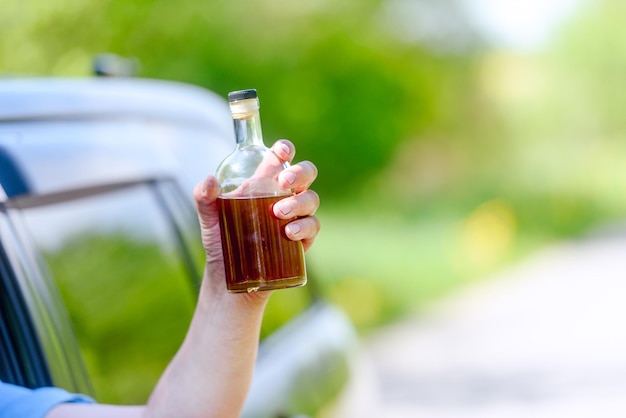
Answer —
(303, 204)
(303, 229)
(298, 177)
(274, 162)
(284, 149)
(205, 194)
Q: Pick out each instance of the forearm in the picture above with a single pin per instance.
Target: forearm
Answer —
(76, 410)
(211, 373)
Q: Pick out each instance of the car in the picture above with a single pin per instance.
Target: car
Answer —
(100, 255)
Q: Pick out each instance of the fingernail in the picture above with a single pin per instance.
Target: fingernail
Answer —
(284, 148)
(284, 207)
(293, 228)
(289, 176)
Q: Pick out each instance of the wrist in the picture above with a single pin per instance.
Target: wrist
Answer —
(213, 294)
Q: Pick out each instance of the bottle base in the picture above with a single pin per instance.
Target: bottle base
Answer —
(262, 285)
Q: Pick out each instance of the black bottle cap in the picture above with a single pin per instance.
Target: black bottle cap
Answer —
(242, 95)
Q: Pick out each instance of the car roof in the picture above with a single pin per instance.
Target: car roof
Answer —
(43, 98)
(58, 134)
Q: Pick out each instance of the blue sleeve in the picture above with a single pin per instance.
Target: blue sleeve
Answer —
(19, 402)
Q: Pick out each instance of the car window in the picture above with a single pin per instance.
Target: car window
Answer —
(116, 263)
(21, 359)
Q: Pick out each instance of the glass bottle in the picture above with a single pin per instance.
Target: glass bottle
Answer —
(257, 253)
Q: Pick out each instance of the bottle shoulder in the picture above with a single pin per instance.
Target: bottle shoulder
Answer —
(252, 170)
(244, 159)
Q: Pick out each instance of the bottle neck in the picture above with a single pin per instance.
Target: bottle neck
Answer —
(248, 129)
(247, 122)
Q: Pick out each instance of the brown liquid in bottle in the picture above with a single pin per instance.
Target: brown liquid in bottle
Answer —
(257, 254)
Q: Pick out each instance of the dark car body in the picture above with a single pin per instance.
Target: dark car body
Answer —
(100, 256)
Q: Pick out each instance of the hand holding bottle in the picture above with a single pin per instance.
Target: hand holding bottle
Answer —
(297, 209)
(257, 248)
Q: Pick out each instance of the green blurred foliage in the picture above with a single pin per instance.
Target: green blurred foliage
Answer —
(330, 75)
(130, 305)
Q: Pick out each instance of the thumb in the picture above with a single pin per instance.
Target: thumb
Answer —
(205, 195)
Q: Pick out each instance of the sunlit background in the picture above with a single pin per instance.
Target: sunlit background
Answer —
(453, 138)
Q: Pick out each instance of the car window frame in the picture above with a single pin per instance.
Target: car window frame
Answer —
(180, 215)
(22, 361)
(43, 306)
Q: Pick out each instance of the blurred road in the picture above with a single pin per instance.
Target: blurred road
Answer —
(544, 339)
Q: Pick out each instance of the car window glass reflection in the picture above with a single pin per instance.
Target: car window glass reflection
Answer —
(123, 284)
